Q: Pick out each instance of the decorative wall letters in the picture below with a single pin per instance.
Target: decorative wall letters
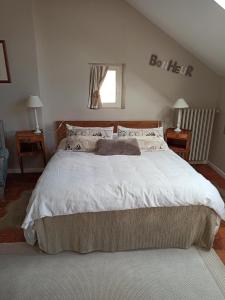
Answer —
(171, 66)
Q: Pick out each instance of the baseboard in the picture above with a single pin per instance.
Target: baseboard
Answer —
(198, 162)
(218, 170)
(26, 170)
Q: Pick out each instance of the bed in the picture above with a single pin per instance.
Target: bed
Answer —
(84, 202)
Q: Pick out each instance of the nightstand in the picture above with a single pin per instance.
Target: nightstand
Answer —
(179, 142)
(28, 143)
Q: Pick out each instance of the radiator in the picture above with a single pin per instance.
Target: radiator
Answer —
(200, 122)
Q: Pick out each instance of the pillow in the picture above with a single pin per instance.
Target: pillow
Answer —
(117, 147)
(79, 143)
(124, 131)
(151, 143)
(103, 132)
(62, 144)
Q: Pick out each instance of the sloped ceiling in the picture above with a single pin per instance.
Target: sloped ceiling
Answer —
(198, 25)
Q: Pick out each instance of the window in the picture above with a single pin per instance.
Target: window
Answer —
(221, 3)
(111, 89)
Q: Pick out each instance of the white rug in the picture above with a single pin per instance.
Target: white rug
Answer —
(25, 273)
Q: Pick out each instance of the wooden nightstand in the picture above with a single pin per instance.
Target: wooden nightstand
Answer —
(28, 143)
(179, 142)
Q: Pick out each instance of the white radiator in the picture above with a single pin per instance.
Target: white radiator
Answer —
(200, 122)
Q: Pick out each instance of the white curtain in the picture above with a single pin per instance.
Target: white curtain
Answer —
(97, 76)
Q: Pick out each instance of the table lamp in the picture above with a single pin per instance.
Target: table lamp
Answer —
(179, 104)
(35, 102)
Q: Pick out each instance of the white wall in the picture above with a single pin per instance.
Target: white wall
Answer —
(16, 27)
(217, 153)
(71, 33)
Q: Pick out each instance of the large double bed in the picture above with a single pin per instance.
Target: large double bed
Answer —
(86, 202)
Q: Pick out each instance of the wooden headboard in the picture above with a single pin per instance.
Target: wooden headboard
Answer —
(61, 125)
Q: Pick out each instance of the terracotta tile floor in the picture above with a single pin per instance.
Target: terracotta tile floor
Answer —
(219, 243)
(17, 183)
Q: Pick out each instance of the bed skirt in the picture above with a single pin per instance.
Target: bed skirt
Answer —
(161, 227)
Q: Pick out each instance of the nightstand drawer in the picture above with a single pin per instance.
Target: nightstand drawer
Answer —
(30, 139)
(177, 135)
(25, 140)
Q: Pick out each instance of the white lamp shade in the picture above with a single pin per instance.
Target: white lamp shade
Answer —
(180, 103)
(34, 101)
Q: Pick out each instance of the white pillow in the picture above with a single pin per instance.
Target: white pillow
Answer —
(103, 132)
(79, 143)
(150, 143)
(62, 144)
(124, 131)
(115, 136)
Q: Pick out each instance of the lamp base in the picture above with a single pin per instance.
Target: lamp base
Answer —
(37, 131)
(177, 130)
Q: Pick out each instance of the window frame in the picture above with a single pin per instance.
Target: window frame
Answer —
(119, 86)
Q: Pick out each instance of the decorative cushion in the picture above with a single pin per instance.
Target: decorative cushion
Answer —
(81, 143)
(4, 155)
(124, 131)
(103, 132)
(62, 144)
(2, 136)
(151, 143)
(117, 147)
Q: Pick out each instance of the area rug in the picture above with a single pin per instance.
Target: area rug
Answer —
(170, 274)
(12, 218)
(15, 212)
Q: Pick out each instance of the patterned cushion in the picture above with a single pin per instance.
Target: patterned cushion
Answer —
(4, 155)
(103, 132)
(2, 136)
(124, 131)
(151, 143)
(81, 143)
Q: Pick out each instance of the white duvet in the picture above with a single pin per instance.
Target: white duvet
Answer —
(75, 182)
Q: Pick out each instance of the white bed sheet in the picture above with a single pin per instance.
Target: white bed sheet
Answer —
(75, 182)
